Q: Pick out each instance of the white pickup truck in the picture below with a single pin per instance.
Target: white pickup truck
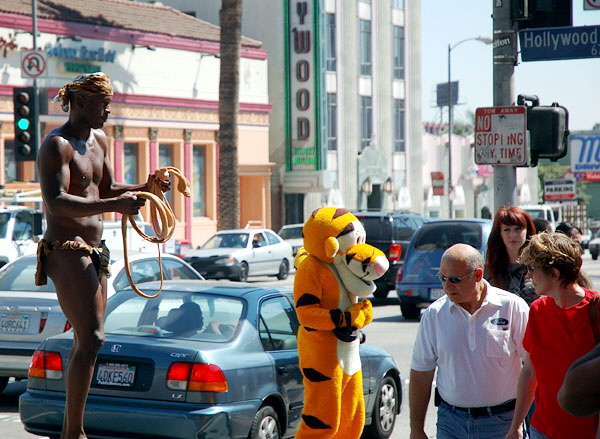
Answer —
(550, 212)
(20, 231)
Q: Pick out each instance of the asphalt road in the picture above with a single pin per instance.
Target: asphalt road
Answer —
(388, 330)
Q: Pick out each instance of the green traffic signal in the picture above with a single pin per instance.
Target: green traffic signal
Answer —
(26, 120)
(23, 124)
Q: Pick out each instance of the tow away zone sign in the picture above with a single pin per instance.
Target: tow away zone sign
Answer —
(501, 136)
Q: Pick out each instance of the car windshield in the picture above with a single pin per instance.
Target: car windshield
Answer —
(291, 233)
(20, 276)
(227, 240)
(4, 219)
(441, 237)
(382, 229)
(182, 315)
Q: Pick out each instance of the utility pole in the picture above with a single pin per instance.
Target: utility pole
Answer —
(35, 84)
(505, 57)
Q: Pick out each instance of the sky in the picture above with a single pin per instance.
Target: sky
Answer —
(574, 84)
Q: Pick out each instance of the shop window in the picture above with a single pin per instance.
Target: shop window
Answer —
(398, 52)
(399, 125)
(332, 130)
(165, 158)
(131, 163)
(10, 166)
(366, 54)
(199, 181)
(331, 44)
(366, 121)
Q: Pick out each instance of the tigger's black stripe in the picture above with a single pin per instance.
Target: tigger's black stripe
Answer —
(337, 317)
(315, 423)
(308, 299)
(314, 375)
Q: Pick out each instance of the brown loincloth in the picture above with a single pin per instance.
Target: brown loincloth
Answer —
(100, 256)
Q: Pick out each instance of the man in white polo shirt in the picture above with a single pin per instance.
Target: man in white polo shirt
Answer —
(473, 336)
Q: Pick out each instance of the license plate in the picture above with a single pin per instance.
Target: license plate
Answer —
(15, 323)
(115, 374)
(436, 293)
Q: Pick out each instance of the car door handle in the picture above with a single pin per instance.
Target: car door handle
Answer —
(283, 371)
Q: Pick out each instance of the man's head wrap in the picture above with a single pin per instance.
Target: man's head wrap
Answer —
(91, 83)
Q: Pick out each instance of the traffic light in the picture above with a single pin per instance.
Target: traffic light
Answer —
(529, 14)
(548, 131)
(26, 123)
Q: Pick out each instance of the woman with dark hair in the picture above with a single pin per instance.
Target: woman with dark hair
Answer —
(511, 231)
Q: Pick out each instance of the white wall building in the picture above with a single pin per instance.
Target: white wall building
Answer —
(345, 86)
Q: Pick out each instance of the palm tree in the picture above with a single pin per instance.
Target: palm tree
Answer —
(228, 210)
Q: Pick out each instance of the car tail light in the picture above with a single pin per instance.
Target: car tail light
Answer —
(46, 365)
(399, 276)
(409, 292)
(196, 377)
(67, 326)
(43, 321)
(394, 252)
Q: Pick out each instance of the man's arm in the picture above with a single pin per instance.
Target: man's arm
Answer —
(580, 391)
(525, 394)
(419, 394)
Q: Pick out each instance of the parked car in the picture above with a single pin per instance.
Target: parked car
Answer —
(238, 254)
(391, 233)
(204, 359)
(594, 246)
(292, 233)
(31, 313)
(417, 283)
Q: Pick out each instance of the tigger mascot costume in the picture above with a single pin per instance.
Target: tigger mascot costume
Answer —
(330, 316)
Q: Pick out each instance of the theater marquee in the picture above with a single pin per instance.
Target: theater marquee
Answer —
(303, 97)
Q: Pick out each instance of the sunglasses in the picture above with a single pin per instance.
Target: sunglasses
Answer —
(453, 279)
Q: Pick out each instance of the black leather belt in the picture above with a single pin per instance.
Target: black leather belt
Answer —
(484, 411)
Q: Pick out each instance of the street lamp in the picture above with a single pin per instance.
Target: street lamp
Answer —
(484, 40)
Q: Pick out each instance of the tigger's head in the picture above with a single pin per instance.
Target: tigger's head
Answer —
(366, 262)
(330, 230)
(359, 266)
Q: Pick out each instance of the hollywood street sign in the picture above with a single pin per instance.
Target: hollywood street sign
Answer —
(547, 44)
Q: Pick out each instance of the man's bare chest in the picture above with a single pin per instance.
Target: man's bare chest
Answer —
(87, 168)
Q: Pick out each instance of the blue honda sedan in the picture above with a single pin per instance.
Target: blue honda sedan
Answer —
(203, 359)
(417, 284)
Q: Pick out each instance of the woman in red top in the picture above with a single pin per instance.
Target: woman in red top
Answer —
(558, 332)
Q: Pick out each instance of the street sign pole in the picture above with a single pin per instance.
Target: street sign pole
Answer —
(505, 55)
(35, 84)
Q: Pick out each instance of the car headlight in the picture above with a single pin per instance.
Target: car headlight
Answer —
(227, 260)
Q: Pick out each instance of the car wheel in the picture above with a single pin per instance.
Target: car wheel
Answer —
(385, 410)
(284, 269)
(381, 292)
(3, 383)
(410, 311)
(594, 256)
(265, 424)
(243, 276)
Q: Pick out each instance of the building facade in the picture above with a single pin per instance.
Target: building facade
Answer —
(164, 66)
(345, 87)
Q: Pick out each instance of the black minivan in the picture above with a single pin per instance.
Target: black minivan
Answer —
(391, 233)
